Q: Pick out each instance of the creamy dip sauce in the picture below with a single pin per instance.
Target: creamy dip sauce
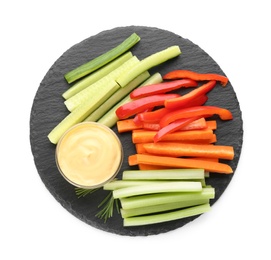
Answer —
(89, 155)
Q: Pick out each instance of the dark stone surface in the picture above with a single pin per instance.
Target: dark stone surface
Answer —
(48, 109)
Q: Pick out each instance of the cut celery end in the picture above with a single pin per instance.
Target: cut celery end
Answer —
(82, 111)
(162, 198)
(168, 174)
(97, 75)
(149, 62)
(116, 97)
(103, 59)
(110, 118)
(91, 90)
(163, 186)
(125, 213)
(165, 217)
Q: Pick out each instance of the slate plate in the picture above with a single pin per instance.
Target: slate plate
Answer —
(48, 109)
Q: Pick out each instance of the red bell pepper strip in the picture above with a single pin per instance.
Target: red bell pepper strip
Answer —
(183, 101)
(151, 117)
(156, 115)
(162, 88)
(172, 127)
(197, 111)
(139, 105)
(181, 74)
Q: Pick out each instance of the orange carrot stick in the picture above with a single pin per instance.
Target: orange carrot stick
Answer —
(195, 125)
(152, 167)
(127, 125)
(212, 124)
(174, 149)
(142, 136)
(140, 148)
(207, 165)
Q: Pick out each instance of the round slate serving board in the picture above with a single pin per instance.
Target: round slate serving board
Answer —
(48, 110)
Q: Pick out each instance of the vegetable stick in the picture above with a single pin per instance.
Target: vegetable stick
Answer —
(196, 125)
(193, 150)
(149, 62)
(140, 148)
(162, 198)
(127, 125)
(144, 136)
(172, 127)
(170, 174)
(158, 187)
(168, 216)
(103, 59)
(163, 87)
(211, 124)
(139, 105)
(207, 165)
(125, 213)
(188, 74)
(142, 166)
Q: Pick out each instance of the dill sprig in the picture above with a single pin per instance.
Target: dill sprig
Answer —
(108, 203)
(81, 192)
(107, 211)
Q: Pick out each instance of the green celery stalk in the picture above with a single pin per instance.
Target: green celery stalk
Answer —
(103, 59)
(163, 186)
(110, 118)
(169, 216)
(119, 184)
(149, 62)
(95, 76)
(116, 97)
(91, 90)
(82, 111)
(163, 198)
(125, 213)
(168, 174)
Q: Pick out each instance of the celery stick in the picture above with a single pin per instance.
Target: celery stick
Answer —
(169, 186)
(149, 62)
(162, 198)
(125, 213)
(91, 90)
(119, 184)
(95, 76)
(116, 97)
(169, 216)
(168, 174)
(103, 59)
(110, 118)
(82, 111)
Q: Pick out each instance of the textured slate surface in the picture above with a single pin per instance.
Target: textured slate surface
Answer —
(48, 109)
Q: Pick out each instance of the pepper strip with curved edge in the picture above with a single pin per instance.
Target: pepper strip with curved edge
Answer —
(172, 127)
(183, 101)
(162, 88)
(139, 105)
(156, 115)
(197, 111)
(178, 74)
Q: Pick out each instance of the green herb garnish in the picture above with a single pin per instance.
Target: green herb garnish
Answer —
(108, 203)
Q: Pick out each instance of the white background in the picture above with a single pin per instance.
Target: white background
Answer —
(33, 225)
